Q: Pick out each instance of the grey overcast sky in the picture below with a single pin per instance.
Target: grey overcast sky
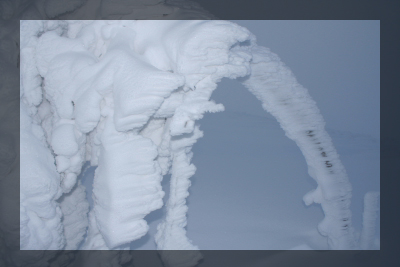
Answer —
(337, 61)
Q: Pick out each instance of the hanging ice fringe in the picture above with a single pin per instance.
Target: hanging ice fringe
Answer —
(126, 96)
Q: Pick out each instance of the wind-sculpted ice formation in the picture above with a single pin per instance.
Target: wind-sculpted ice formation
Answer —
(274, 84)
(126, 95)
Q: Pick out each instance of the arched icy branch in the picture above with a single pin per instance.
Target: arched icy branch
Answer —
(274, 84)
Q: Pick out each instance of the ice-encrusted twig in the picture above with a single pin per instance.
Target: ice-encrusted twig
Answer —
(274, 84)
(171, 233)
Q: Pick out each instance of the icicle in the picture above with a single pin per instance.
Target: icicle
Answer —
(171, 233)
(275, 85)
(203, 60)
(127, 185)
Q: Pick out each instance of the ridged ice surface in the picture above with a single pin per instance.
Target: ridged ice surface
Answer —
(126, 95)
(274, 84)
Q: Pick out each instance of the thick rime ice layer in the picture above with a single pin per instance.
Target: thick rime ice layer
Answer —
(40, 222)
(125, 95)
(127, 185)
(275, 85)
(74, 208)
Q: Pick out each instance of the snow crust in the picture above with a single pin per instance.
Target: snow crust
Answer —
(126, 95)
